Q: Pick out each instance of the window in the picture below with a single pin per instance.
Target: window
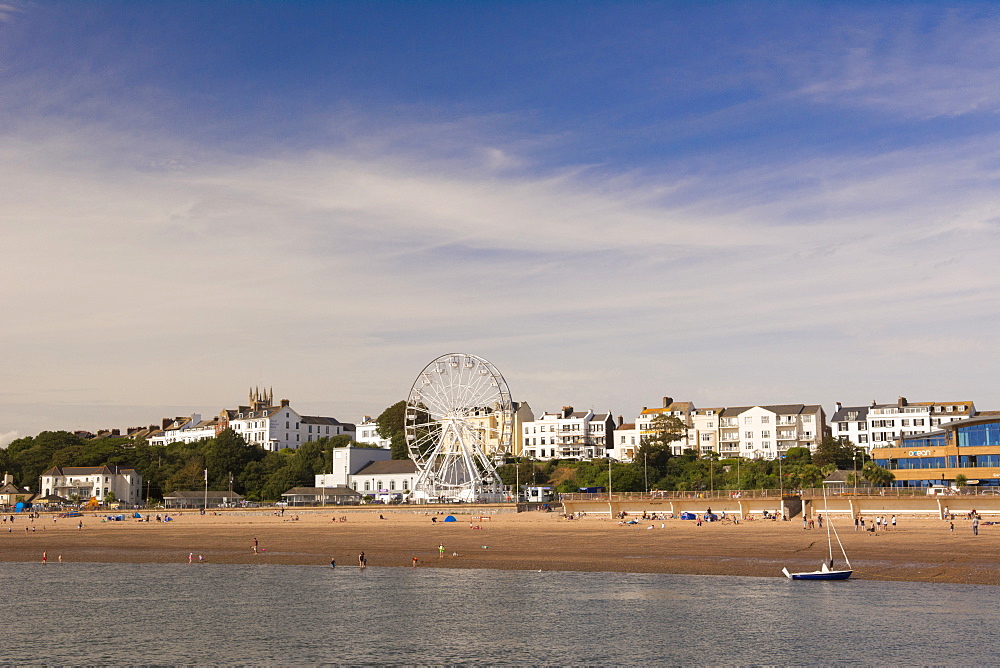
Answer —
(706, 437)
(862, 438)
(766, 433)
(904, 423)
(747, 420)
(748, 434)
(764, 419)
(766, 445)
(807, 418)
(392, 485)
(918, 422)
(368, 486)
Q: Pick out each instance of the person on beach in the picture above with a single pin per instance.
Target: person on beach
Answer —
(975, 526)
(333, 562)
(362, 562)
(190, 557)
(45, 557)
(441, 551)
(415, 560)
(893, 522)
(952, 527)
(255, 546)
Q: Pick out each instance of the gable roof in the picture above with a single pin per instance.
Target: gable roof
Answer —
(389, 467)
(89, 470)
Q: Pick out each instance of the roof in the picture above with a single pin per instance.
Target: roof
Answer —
(389, 467)
(627, 425)
(315, 419)
(779, 409)
(844, 411)
(89, 470)
(683, 406)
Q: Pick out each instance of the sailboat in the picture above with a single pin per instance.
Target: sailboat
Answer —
(826, 572)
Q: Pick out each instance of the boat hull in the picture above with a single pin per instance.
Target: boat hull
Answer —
(818, 575)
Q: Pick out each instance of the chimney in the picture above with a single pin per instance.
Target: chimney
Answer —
(667, 401)
(165, 423)
(901, 402)
(873, 403)
(839, 406)
(284, 403)
(621, 420)
(567, 411)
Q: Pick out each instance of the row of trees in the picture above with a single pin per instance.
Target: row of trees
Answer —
(231, 462)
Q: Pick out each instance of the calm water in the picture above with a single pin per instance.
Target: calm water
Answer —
(207, 614)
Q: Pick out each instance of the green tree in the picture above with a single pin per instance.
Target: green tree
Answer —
(666, 429)
(798, 455)
(392, 425)
(834, 451)
(877, 475)
(229, 453)
(961, 480)
(109, 498)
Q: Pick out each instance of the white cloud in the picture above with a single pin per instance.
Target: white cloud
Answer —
(8, 437)
(148, 272)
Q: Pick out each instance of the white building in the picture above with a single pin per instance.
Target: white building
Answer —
(881, 425)
(183, 430)
(626, 440)
(367, 432)
(569, 435)
(272, 427)
(766, 432)
(93, 483)
(369, 471)
(703, 435)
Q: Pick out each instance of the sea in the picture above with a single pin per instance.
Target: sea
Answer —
(207, 614)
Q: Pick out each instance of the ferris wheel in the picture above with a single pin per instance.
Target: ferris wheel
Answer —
(459, 425)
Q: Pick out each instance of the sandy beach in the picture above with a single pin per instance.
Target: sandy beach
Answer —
(923, 550)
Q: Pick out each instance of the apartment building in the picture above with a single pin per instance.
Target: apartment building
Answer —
(882, 425)
(569, 434)
(767, 432)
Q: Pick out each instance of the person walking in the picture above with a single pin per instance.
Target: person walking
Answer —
(362, 561)
(441, 551)
(893, 522)
(975, 526)
(255, 546)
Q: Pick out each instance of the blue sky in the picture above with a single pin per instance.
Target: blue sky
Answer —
(728, 203)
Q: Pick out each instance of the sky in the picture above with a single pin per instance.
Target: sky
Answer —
(727, 203)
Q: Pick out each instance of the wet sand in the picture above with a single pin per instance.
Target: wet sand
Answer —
(921, 550)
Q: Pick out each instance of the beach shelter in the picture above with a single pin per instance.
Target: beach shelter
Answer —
(450, 518)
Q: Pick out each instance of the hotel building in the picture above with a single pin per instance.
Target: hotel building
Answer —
(970, 447)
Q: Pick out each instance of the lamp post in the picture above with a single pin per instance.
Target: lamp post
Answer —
(781, 483)
(645, 473)
(206, 490)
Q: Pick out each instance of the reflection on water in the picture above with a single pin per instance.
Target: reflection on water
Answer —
(167, 614)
